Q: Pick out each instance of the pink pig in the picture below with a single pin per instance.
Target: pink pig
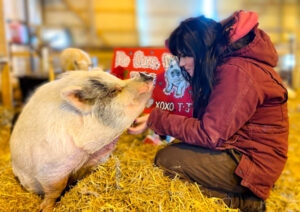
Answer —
(72, 124)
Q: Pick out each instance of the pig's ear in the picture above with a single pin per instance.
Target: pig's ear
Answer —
(73, 95)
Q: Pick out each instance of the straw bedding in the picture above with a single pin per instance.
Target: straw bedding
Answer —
(128, 181)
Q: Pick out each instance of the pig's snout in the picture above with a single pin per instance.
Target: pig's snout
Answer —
(146, 77)
(141, 75)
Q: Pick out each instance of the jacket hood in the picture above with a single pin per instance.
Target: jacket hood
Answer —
(260, 49)
(244, 21)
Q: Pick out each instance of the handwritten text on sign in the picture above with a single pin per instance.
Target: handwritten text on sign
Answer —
(172, 92)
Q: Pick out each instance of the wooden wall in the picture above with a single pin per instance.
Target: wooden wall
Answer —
(100, 25)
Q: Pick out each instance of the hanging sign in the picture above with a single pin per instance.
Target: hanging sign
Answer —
(172, 92)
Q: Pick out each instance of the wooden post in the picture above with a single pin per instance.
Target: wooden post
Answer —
(6, 87)
(296, 73)
(51, 70)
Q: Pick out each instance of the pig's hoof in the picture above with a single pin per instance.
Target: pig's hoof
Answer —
(47, 206)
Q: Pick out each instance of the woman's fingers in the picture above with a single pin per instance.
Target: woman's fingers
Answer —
(141, 119)
(140, 125)
(137, 129)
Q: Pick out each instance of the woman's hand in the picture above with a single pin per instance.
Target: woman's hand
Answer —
(140, 125)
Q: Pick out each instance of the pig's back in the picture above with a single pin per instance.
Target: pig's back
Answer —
(38, 118)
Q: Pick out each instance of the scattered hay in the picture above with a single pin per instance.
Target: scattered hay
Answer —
(285, 195)
(128, 181)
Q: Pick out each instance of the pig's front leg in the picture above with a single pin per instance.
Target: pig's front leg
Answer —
(102, 155)
(98, 157)
(52, 192)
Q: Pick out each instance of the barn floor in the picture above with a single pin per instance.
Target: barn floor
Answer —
(129, 182)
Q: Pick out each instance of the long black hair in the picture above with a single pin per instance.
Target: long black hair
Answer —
(205, 40)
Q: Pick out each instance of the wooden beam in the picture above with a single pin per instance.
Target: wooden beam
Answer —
(98, 10)
(116, 30)
(75, 11)
(6, 86)
(86, 19)
(115, 10)
(3, 44)
(62, 9)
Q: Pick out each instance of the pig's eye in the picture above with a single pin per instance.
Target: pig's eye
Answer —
(97, 84)
(115, 91)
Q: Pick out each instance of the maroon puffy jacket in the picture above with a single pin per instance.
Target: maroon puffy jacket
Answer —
(247, 111)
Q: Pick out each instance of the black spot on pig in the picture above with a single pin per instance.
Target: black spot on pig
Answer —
(101, 95)
(101, 90)
(98, 85)
(97, 91)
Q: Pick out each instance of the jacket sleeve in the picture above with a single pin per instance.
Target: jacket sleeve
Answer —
(232, 103)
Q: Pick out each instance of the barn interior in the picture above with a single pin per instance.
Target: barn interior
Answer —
(33, 33)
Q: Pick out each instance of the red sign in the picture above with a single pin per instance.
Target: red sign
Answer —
(172, 92)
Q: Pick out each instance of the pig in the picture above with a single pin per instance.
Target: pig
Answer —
(71, 125)
(75, 59)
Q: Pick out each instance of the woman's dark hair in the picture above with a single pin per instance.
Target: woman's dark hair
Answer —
(205, 40)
